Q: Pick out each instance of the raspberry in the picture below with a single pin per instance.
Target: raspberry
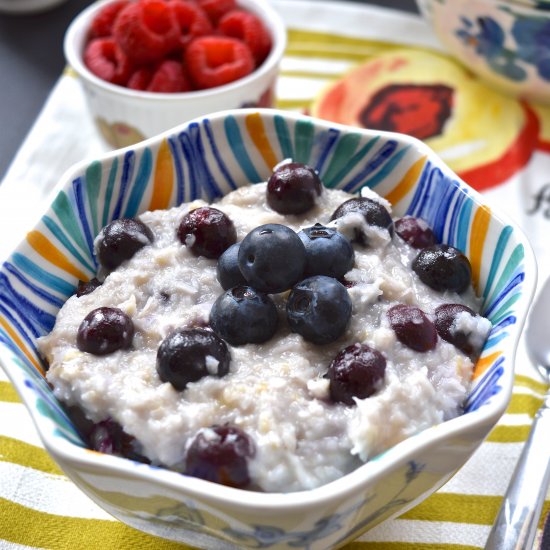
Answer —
(107, 61)
(146, 30)
(140, 78)
(169, 77)
(215, 9)
(166, 77)
(192, 21)
(249, 28)
(102, 23)
(216, 60)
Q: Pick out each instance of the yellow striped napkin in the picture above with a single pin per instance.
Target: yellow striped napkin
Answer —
(41, 508)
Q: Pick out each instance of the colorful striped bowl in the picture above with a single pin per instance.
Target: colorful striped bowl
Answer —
(207, 158)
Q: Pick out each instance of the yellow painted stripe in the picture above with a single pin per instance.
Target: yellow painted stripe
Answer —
(325, 38)
(524, 404)
(509, 434)
(480, 226)
(25, 454)
(407, 182)
(8, 393)
(483, 363)
(163, 183)
(527, 382)
(322, 52)
(457, 508)
(293, 104)
(20, 344)
(47, 250)
(22, 525)
(256, 130)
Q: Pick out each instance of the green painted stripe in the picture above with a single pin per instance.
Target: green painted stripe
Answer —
(22, 525)
(509, 434)
(8, 393)
(528, 382)
(457, 508)
(524, 404)
(25, 454)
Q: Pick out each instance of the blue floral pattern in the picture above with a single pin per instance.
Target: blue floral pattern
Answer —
(531, 36)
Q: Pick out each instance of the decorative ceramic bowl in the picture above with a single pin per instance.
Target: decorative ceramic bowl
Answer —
(507, 43)
(207, 158)
(124, 116)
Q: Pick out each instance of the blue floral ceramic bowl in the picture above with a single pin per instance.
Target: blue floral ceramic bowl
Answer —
(207, 158)
(507, 43)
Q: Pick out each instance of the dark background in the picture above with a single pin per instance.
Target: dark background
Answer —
(31, 60)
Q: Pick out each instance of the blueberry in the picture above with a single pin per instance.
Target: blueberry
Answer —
(241, 315)
(207, 232)
(220, 454)
(328, 252)
(108, 437)
(412, 327)
(443, 267)
(272, 258)
(415, 232)
(373, 212)
(120, 240)
(228, 271)
(87, 287)
(445, 324)
(293, 188)
(356, 371)
(319, 309)
(187, 355)
(105, 330)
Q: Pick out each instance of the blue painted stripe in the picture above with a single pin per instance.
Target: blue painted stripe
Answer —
(139, 186)
(178, 169)
(386, 170)
(79, 191)
(217, 156)
(463, 226)
(54, 282)
(238, 148)
(326, 144)
(35, 289)
(125, 178)
(514, 283)
(487, 388)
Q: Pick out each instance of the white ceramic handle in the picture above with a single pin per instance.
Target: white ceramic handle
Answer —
(517, 520)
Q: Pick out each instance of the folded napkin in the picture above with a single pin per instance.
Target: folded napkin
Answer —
(41, 508)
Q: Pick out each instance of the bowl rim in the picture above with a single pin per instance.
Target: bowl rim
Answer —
(353, 483)
(76, 34)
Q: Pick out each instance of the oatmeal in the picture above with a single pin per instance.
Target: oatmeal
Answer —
(278, 389)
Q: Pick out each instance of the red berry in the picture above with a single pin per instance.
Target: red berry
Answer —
(215, 9)
(216, 60)
(140, 78)
(169, 77)
(102, 23)
(107, 61)
(249, 28)
(192, 21)
(146, 30)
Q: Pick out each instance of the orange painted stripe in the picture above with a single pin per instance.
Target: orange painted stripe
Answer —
(480, 226)
(163, 183)
(48, 251)
(408, 181)
(20, 344)
(483, 363)
(256, 129)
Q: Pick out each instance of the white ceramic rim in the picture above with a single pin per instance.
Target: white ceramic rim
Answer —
(77, 31)
(352, 483)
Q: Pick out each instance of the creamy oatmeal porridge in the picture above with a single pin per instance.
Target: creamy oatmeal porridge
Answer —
(290, 407)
